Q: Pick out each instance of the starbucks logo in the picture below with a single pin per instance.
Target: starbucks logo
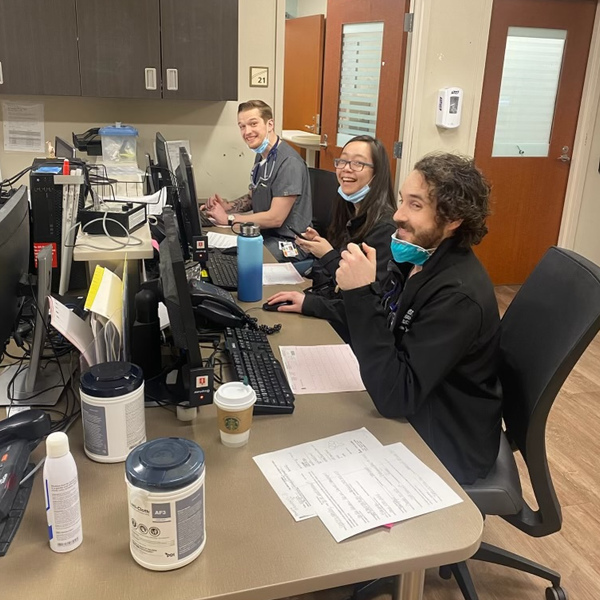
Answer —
(232, 423)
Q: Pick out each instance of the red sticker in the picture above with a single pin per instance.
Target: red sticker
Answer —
(37, 246)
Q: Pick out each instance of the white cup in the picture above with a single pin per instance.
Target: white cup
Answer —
(234, 402)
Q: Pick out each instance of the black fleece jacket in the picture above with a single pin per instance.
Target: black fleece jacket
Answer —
(434, 360)
(332, 308)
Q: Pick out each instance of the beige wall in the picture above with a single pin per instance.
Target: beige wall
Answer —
(221, 160)
(448, 48)
(306, 8)
(587, 237)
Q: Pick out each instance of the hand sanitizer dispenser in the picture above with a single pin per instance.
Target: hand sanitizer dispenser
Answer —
(449, 107)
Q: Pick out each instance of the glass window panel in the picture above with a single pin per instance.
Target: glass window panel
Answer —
(359, 80)
(532, 64)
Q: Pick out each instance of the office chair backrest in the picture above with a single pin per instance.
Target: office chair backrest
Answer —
(323, 186)
(547, 327)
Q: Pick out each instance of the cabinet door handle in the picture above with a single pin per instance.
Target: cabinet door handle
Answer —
(172, 80)
(1, 76)
(150, 78)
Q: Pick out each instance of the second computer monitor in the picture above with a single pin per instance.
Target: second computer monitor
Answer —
(187, 196)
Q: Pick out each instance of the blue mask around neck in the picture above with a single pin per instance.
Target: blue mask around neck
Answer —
(262, 147)
(356, 196)
(411, 253)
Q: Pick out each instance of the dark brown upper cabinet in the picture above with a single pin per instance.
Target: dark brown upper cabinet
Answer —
(200, 49)
(38, 47)
(119, 48)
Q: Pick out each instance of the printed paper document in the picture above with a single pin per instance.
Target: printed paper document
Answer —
(277, 466)
(281, 274)
(371, 489)
(321, 369)
(221, 240)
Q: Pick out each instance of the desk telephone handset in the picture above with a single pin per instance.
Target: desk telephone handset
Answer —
(19, 435)
(216, 305)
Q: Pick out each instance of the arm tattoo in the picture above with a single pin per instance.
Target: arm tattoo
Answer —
(240, 205)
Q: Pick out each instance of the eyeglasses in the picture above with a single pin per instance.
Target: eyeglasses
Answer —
(355, 165)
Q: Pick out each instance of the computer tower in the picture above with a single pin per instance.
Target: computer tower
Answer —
(46, 221)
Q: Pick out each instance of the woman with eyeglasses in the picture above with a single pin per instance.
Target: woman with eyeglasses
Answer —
(362, 213)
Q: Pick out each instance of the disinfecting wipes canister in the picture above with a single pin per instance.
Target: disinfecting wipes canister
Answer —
(165, 485)
(112, 409)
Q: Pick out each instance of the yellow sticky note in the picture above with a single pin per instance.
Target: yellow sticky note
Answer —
(94, 286)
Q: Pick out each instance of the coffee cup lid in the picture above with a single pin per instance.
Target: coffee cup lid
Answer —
(234, 396)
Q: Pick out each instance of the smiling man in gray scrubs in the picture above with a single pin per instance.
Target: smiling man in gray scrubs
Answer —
(279, 190)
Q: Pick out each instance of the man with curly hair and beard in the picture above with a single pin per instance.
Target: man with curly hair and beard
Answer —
(427, 339)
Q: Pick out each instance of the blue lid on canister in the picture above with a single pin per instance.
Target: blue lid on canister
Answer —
(114, 130)
(164, 464)
(111, 379)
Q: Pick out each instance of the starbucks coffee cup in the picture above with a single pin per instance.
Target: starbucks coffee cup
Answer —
(234, 402)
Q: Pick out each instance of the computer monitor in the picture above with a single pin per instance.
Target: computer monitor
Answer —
(63, 149)
(167, 180)
(187, 196)
(193, 382)
(14, 258)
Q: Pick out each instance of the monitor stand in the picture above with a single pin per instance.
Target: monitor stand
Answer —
(37, 381)
(49, 384)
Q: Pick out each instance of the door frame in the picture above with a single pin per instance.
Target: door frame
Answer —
(590, 99)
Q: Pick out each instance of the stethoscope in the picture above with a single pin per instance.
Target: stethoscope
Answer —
(255, 176)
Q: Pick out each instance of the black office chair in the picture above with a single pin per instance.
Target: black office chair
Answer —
(547, 327)
(323, 187)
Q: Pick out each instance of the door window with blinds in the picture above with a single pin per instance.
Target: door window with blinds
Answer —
(359, 81)
(530, 75)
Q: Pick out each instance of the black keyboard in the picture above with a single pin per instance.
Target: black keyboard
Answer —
(204, 220)
(9, 526)
(253, 359)
(222, 270)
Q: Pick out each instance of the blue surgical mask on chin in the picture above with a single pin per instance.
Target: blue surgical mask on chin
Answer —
(262, 147)
(356, 196)
(411, 253)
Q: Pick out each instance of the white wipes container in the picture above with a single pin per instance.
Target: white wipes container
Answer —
(112, 409)
(165, 486)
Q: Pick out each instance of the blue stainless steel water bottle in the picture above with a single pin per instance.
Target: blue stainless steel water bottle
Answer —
(250, 263)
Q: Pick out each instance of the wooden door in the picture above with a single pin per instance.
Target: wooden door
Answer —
(303, 73)
(38, 47)
(200, 49)
(528, 188)
(118, 41)
(341, 14)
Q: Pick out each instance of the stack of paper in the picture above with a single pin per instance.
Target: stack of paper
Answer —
(100, 337)
(353, 483)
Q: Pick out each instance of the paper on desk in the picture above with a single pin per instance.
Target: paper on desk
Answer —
(281, 274)
(221, 240)
(277, 466)
(73, 327)
(385, 485)
(321, 369)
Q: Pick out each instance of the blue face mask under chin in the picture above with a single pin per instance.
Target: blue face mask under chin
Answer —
(411, 253)
(263, 146)
(356, 196)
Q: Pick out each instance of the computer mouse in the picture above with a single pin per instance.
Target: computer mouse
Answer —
(232, 251)
(276, 305)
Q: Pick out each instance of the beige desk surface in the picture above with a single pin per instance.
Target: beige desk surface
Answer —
(254, 550)
(109, 250)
